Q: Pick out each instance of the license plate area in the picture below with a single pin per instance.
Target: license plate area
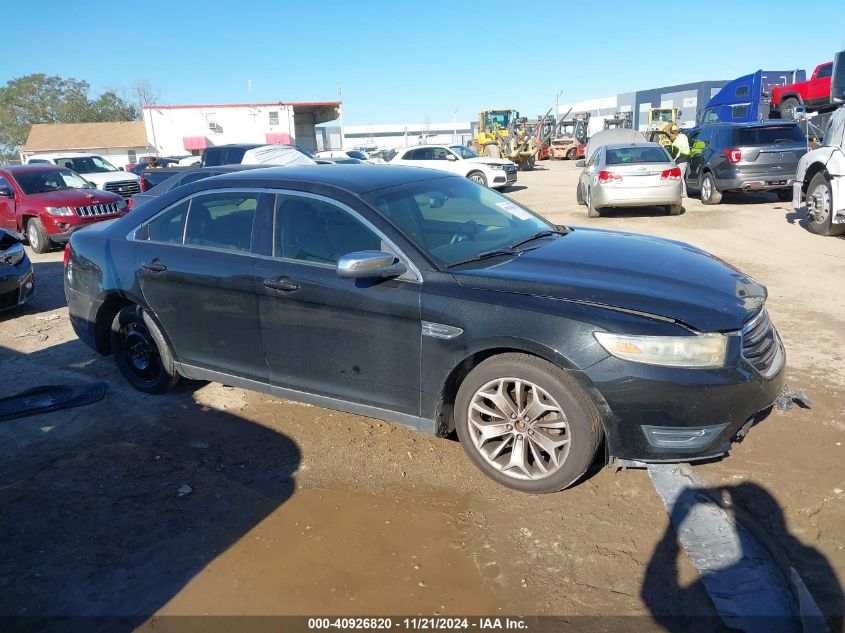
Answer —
(774, 183)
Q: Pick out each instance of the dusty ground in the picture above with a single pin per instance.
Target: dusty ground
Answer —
(300, 510)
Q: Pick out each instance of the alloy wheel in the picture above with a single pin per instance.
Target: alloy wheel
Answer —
(706, 188)
(32, 236)
(477, 178)
(519, 428)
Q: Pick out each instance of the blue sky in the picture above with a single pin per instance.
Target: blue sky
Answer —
(412, 61)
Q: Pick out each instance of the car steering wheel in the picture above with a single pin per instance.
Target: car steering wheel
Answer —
(466, 232)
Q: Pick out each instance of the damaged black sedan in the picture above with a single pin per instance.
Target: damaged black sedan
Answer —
(422, 298)
(17, 281)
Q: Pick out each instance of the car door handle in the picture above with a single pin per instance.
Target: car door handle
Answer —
(281, 283)
(154, 266)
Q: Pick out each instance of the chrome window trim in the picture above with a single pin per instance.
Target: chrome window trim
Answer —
(412, 267)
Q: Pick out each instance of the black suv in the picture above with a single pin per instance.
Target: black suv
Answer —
(758, 156)
(231, 154)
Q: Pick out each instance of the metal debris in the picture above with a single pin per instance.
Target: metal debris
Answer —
(788, 397)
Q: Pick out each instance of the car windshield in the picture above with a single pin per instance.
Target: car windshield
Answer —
(453, 220)
(356, 154)
(628, 155)
(86, 164)
(44, 181)
(463, 151)
(769, 135)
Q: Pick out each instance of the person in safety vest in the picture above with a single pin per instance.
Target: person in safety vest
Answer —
(680, 152)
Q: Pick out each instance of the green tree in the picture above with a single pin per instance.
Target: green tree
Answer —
(40, 98)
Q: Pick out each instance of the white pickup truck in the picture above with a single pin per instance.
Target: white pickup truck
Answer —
(96, 170)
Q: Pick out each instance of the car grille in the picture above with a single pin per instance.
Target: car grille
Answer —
(125, 188)
(761, 344)
(9, 299)
(97, 209)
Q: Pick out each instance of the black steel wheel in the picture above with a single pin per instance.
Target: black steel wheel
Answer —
(141, 353)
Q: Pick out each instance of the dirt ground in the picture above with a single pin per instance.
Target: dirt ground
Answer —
(295, 509)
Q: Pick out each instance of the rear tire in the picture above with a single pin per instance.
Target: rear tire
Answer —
(36, 235)
(674, 209)
(820, 208)
(478, 177)
(709, 193)
(579, 197)
(555, 430)
(571, 154)
(141, 353)
(527, 164)
(592, 212)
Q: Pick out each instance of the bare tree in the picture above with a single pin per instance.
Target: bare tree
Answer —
(145, 93)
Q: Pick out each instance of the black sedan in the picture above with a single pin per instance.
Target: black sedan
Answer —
(422, 298)
(17, 282)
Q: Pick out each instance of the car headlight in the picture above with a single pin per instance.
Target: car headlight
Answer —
(702, 350)
(59, 210)
(12, 255)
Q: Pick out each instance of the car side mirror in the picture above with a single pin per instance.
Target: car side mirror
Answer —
(5, 192)
(120, 169)
(369, 265)
(581, 164)
(451, 157)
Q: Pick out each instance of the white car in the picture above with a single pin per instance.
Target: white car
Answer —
(496, 173)
(95, 169)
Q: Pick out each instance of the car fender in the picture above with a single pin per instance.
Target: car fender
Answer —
(831, 160)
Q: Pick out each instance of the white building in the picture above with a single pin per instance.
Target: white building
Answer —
(389, 136)
(188, 129)
(120, 143)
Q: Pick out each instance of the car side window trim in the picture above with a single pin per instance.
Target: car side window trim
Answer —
(412, 267)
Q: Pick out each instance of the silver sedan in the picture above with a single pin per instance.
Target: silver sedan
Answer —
(629, 175)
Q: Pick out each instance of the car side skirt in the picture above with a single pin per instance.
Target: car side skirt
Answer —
(411, 421)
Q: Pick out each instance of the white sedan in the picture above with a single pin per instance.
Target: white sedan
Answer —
(496, 173)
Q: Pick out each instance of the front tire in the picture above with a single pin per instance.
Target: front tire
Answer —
(141, 353)
(709, 193)
(36, 235)
(478, 177)
(675, 209)
(784, 195)
(820, 208)
(528, 164)
(526, 423)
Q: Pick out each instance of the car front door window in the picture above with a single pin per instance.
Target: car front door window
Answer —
(222, 220)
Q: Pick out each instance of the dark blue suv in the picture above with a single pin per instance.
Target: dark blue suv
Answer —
(756, 156)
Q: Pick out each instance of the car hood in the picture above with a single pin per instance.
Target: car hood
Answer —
(102, 177)
(631, 272)
(75, 197)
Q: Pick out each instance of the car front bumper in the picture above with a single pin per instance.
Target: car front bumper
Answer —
(664, 414)
(499, 178)
(60, 232)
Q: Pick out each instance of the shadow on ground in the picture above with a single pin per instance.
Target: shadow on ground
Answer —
(93, 523)
(673, 605)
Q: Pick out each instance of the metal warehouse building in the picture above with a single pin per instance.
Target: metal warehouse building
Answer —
(690, 98)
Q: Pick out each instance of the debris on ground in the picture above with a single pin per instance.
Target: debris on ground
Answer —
(50, 398)
(184, 490)
(788, 397)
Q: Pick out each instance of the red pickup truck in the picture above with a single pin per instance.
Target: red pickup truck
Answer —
(813, 93)
(48, 203)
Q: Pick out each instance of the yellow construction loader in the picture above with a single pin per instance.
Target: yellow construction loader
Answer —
(660, 121)
(503, 134)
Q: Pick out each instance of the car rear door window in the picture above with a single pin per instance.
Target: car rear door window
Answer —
(222, 220)
(315, 231)
(769, 135)
(168, 226)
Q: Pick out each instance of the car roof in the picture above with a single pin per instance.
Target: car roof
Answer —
(28, 169)
(359, 179)
(247, 145)
(64, 155)
(428, 145)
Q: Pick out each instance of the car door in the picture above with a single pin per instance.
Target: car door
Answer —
(699, 147)
(588, 171)
(7, 205)
(196, 271)
(353, 340)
